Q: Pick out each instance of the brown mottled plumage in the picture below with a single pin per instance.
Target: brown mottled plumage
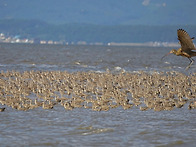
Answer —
(187, 46)
(2, 109)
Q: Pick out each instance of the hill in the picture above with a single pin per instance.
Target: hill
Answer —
(102, 12)
(92, 33)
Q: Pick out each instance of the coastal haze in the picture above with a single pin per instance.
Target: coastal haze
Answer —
(89, 73)
(99, 22)
(102, 12)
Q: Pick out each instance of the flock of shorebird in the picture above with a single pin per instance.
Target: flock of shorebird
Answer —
(97, 91)
(102, 91)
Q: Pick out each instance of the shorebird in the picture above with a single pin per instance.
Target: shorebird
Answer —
(2, 109)
(187, 46)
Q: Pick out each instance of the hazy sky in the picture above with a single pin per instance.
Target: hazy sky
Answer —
(109, 12)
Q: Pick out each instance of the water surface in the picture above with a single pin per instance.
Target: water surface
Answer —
(84, 127)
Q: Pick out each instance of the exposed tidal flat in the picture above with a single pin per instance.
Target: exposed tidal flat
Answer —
(95, 96)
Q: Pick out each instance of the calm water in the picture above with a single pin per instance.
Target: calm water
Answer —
(83, 127)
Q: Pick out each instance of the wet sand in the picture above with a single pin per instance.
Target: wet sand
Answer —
(97, 91)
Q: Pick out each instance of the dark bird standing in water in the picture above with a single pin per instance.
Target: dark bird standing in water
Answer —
(2, 109)
(187, 46)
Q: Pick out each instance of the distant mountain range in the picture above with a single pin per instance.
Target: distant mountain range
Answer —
(90, 33)
(102, 12)
(98, 20)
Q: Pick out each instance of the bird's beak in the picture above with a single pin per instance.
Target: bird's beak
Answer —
(165, 55)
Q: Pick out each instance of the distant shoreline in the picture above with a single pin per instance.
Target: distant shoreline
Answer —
(148, 44)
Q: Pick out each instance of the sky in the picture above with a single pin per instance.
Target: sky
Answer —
(102, 12)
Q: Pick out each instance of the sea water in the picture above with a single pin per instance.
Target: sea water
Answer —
(84, 127)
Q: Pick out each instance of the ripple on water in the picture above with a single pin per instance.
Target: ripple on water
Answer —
(93, 130)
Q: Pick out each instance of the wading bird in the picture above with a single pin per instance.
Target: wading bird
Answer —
(187, 46)
(2, 109)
